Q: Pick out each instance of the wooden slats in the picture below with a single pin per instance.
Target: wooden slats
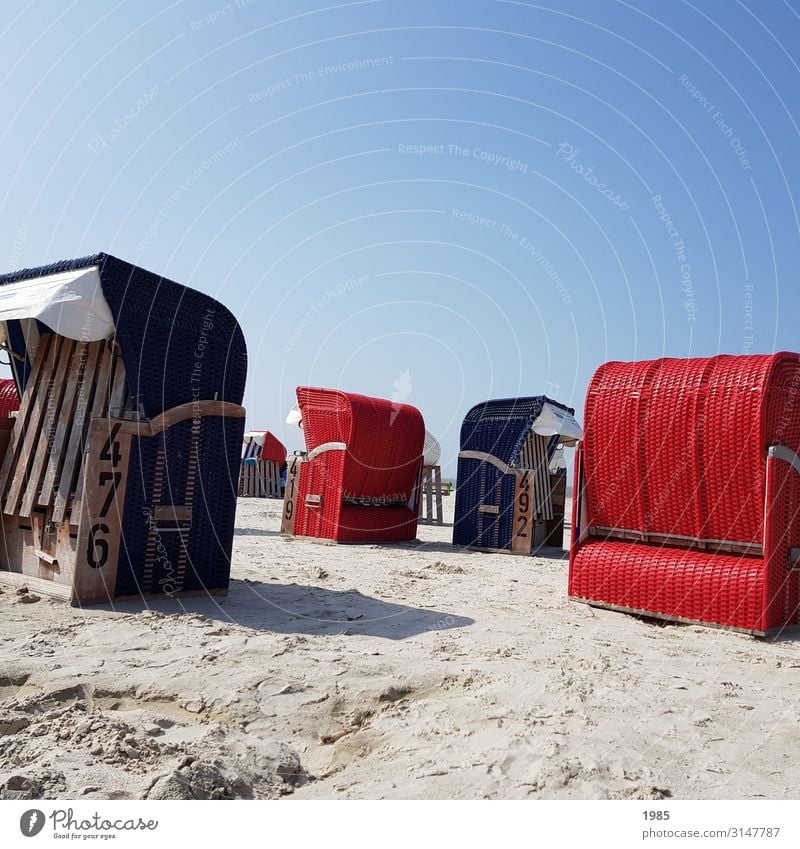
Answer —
(69, 384)
(30, 433)
(431, 511)
(95, 383)
(119, 388)
(23, 416)
(261, 479)
(66, 418)
(534, 457)
(53, 415)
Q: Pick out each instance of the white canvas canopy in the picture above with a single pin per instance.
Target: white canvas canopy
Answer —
(71, 304)
(431, 451)
(553, 421)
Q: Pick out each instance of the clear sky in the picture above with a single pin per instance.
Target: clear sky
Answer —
(438, 202)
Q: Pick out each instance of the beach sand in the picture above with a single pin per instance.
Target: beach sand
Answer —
(405, 671)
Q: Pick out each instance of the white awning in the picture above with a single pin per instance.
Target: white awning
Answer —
(553, 421)
(256, 436)
(71, 304)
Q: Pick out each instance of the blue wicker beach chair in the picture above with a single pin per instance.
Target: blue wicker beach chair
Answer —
(507, 497)
(118, 476)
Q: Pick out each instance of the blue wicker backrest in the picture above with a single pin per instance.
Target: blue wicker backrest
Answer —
(178, 344)
(500, 427)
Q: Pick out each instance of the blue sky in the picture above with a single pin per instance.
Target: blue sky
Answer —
(438, 202)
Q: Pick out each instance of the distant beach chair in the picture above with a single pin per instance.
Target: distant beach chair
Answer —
(358, 480)
(118, 476)
(263, 458)
(508, 499)
(431, 510)
(687, 491)
(9, 397)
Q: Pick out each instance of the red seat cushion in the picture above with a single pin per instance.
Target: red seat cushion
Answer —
(678, 583)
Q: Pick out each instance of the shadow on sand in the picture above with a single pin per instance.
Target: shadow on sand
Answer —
(548, 552)
(298, 609)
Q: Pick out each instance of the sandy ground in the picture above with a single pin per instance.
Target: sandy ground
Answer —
(409, 671)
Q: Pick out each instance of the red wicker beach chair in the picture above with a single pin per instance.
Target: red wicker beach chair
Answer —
(9, 397)
(687, 491)
(358, 480)
(263, 463)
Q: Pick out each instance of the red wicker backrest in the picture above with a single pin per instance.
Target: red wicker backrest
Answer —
(326, 415)
(384, 440)
(679, 447)
(273, 449)
(9, 399)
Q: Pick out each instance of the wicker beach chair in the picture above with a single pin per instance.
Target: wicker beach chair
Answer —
(263, 461)
(507, 499)
(9, 397)
(688, 491)
(118, 475)
(358, 480)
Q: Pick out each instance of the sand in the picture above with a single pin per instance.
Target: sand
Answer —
(406, 671)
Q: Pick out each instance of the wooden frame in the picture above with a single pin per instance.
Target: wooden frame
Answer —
(260, 479)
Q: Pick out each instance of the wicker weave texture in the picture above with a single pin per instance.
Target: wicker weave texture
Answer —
(362, 491)
(724, 589)
(679, 448)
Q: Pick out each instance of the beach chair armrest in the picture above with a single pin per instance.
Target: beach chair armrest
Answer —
(783, 452)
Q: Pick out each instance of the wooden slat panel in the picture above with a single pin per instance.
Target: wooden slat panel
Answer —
(96, 385)
(119, 387)
(55, 461)
(21, 424)
(534, 457)
(290, 496)
(100, 403)
(32, 432)
(438, 515)
(50, 425)
(36, 585)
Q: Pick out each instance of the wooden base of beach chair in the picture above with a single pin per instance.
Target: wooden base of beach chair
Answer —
(261, 479)
(532, 533)
(355, 543)
(431, 511)
(680, 620)
(554, 551)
